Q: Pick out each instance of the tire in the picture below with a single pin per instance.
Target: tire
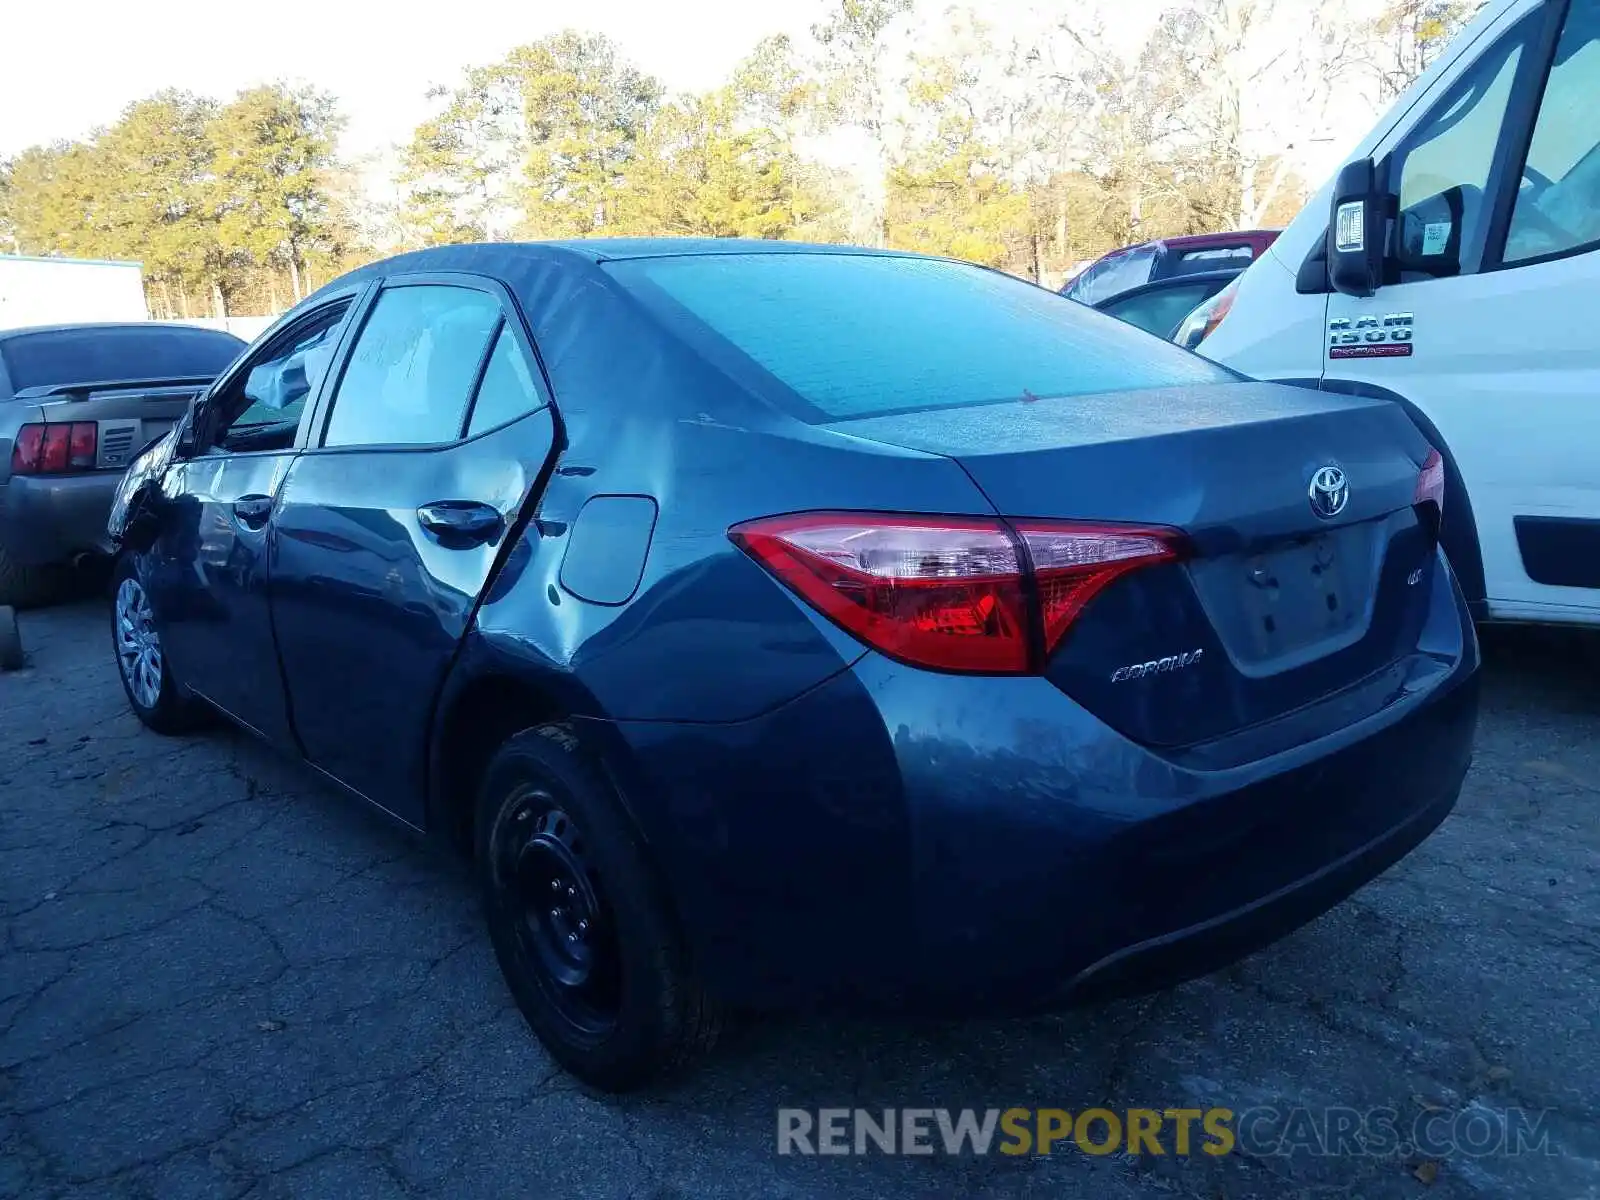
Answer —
(157, 699)
(602, 975)
(28, 587)
(10, 640)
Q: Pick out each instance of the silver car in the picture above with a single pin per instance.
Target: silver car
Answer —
(77, 402)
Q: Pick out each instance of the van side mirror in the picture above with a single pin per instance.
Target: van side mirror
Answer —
(1356, 229)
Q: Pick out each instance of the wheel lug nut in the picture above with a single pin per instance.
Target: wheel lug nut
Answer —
(572, 893)
(555, 914)
(583, 927)
(572, 937)
(555, 885)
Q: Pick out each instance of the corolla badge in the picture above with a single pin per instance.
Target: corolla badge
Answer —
(1159, 666)
(1329, 492)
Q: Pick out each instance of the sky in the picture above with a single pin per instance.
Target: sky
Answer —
(380, 60)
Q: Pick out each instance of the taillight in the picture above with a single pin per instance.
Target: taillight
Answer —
(1430, 482)
(1202, 322)
(48, 449)
(81, 450)
(25, 449)
(1073, 563)
(967, 594)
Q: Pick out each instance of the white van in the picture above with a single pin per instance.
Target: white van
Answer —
(1454, 266)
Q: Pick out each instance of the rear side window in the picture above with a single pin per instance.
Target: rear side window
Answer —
(1212, 258)
(509, 388)
(855, 335)
(57, 357)
(412, 367)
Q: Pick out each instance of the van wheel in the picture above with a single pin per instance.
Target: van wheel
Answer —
(580, 920)
(156, 698)
(28, 586)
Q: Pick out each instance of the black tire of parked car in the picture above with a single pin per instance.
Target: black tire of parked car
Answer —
(28, 587)
(10, 640)
(548, 817)
(175, 711)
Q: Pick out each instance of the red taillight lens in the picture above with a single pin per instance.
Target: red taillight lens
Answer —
(1073, 563)
(950, 593)
(26, 448)
(57, 448)
(1430, 483)
(40, 449)
(84, 436)
(943, 592)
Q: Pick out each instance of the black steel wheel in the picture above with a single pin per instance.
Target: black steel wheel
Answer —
(566, 934)
(11, 656)
(581, 923)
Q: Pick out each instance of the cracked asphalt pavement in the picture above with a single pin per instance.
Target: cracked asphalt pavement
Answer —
(220, 978)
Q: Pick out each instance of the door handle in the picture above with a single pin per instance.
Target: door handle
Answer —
(461, 520)
(252, 511)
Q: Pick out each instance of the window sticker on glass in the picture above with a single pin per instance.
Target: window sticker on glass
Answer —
(1435, 237)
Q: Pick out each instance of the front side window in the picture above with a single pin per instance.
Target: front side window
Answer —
(263, 410)
(1113, 275)
(413, 367)
(836, 336)
(1442, 169)
(1558, 202)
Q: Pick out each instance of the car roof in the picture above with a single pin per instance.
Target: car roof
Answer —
(517, 262)
(613, 249)
(1208, 239)
(106, 326)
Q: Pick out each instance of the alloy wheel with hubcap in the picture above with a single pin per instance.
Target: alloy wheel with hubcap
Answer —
(138, 644)
(157, 699)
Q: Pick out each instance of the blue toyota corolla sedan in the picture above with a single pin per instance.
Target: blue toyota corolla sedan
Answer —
(783, 625)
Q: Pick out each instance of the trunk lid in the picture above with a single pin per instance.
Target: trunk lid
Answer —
(128, 416)
(1277, 606)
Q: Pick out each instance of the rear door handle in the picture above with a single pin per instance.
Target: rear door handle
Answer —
(469, 521)
(252, 511)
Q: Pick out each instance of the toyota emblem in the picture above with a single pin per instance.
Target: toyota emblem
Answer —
(1329, 492)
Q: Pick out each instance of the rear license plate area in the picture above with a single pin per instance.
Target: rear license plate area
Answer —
(1299, 595)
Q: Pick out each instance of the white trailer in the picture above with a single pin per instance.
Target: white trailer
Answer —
(64, 291)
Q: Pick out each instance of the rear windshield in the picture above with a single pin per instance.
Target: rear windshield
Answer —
(54, 357)
(851, 335)
(1212, 258)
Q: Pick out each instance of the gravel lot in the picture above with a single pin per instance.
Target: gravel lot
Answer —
(219, 978)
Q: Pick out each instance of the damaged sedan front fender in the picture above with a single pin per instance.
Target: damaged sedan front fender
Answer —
(134, 521)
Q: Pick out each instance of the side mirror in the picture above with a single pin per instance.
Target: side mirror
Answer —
(187, 437)
(1356, 230)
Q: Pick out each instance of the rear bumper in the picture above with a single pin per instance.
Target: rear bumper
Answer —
(897, 839)
(46, 519)
(1165, 961)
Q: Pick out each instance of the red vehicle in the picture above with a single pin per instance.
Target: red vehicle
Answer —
(1131, 266)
